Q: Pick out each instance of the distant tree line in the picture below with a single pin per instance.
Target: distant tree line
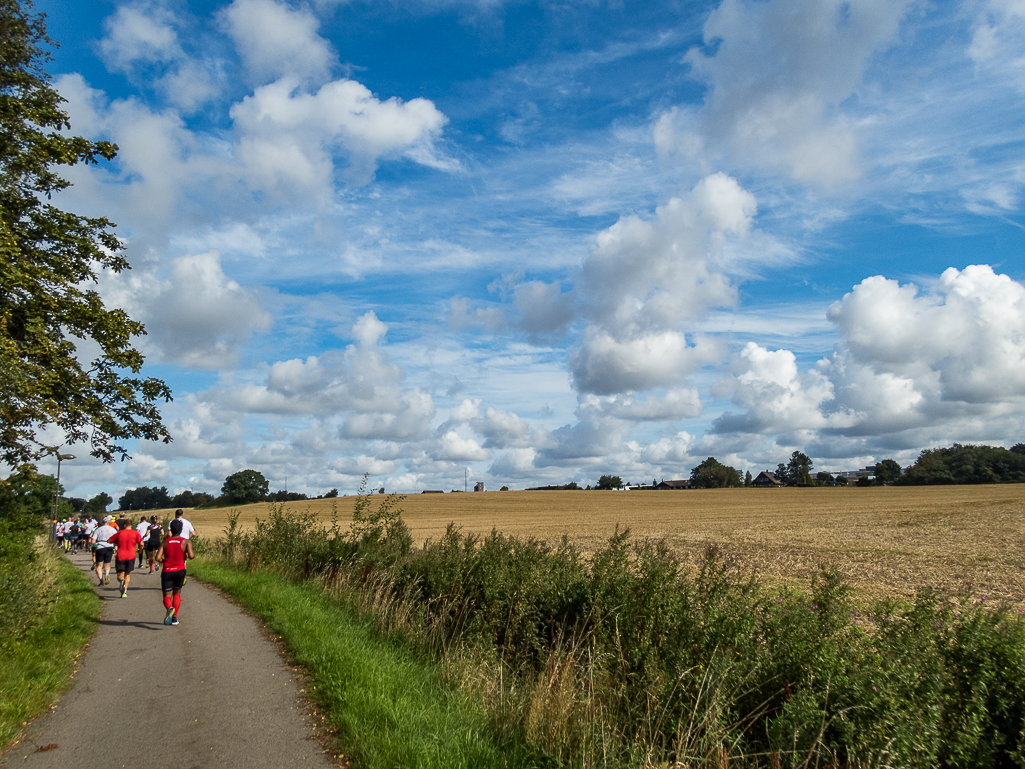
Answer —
(957, 464)
(241, 488)
(153, 498)
(967, 464)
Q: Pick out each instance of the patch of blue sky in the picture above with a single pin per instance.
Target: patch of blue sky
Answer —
(424, 273)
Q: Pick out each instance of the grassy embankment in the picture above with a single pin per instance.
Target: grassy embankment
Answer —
(49, 613)
(391, 708)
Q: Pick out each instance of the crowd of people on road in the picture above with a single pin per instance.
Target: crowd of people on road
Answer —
(123, 542)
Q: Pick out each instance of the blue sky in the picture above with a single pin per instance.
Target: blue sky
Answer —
(546, 241)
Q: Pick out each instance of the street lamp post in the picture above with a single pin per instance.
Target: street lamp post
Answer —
(56, 494)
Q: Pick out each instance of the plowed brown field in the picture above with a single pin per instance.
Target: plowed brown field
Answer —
(886, 540)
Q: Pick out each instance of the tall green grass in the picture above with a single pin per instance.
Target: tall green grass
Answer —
(36, 661)
(628, 659)
(390, 707)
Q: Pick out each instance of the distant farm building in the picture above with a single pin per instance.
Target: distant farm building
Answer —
(853, 475)
(478, 486)
(767, 480)
(674, 485)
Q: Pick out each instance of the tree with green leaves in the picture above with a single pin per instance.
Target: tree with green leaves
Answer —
(145, 498)
(966, 464)
(888, 471)
(28, 494)
(713, 474)
(189, 498)
(98, 504)
(245, 486)
(48, 260)
(799, 469)
(607, 482)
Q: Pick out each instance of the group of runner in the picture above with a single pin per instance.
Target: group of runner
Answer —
(121, 542)
(72, 534)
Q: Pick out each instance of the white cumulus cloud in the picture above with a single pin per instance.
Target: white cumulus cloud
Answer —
(288, 136)
(645, 279)
(274, 40)
(943, 365)
(777, 80)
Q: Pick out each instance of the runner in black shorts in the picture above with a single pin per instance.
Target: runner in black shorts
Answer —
(172, 554)
(103, 550)
(153, 541)
(127, 541)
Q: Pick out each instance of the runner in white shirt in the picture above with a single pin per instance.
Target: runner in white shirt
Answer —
(88, 528)
(143, 529)
(187, 528)
(103, 549)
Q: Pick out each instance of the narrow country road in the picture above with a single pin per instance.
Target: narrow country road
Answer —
(210, 692)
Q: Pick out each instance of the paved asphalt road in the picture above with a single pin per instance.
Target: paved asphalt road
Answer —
(211, 692)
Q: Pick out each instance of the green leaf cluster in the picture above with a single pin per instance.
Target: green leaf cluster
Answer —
(966, 464)
(713, 474)
(49, 263)
(245, 486)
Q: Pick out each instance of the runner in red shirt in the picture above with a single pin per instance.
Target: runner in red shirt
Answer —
(126, 541)
(173, 552)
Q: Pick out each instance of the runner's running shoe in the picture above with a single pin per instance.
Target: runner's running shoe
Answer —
(170, 616)
(174, 620)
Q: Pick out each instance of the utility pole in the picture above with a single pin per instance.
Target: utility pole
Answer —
(56, 494)
(466, 475)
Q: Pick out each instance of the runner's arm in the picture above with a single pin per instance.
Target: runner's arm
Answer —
(189, 552)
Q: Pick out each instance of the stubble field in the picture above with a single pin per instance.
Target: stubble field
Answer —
(885, 540)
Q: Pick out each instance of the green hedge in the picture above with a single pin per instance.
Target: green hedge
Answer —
(691, 667)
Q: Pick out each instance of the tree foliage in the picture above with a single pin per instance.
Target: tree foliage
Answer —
(189, 498)
(48, 259)
(712, 474)
(245, 486)
(145, 498)
(966, 464)
(796, 472)
(607, 482)
(888, 471)
(286, 496)
(98, 504)
(26, 494)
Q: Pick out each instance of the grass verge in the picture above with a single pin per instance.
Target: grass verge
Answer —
(390, 707)
(37, 668)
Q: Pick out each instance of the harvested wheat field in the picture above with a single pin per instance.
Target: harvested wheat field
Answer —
(885, 540)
